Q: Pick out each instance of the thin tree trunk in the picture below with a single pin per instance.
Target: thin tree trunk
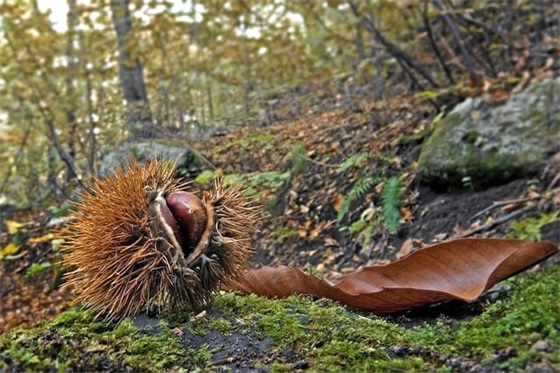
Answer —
(360, 45)
(210, 101)
(378, 83)
(71, 21)
(36, 100)
(91, 138)
(139, 117)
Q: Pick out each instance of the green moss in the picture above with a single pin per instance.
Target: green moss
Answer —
(448, 156)
(530, 229)
(327, 335)
(492, 145)
(220, 325)
(412, 137)
(74, 339)
(529, 313)
(283, 334)
(284, 233)
(278, 367)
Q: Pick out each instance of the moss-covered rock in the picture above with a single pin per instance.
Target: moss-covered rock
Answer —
(485, 144)
(518, 331)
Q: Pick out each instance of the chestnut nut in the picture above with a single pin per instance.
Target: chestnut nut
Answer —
(190, 215)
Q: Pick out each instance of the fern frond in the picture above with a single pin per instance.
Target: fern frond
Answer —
(354, 160)
(391, 200)
(299, 159)
(360, 187)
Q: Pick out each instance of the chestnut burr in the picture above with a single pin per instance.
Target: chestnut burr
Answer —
(139, 238)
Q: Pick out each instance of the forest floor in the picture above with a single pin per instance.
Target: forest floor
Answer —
(293, 168)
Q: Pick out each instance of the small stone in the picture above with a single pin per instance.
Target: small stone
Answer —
(541, 346)
(301, 365)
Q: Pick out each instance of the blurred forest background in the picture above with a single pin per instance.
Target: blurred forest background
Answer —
(122, 70)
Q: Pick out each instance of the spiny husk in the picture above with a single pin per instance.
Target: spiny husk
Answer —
(116, 266)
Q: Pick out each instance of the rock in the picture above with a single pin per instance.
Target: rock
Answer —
(58, 222)
(541, 346)
(483, 144)
(188, 162)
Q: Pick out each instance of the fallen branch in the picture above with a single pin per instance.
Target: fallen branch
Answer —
(503, 203)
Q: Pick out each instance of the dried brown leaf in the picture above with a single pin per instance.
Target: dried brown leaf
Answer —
(459, 269)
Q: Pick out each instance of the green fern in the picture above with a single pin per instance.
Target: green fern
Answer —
(354, 160)
(299, 159)
(391, 200)
(360, 187)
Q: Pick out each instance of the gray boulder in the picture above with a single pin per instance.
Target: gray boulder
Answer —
(187, 161)
(482, 144)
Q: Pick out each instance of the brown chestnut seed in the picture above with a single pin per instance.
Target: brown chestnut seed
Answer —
(190, 213)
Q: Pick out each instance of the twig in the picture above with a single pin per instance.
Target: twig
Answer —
(225, 360)
(498, 221)
(434, 44)
(503, 203)
(553, 182)
(392, 48)
(417, 84)
(488, 63)
(457, 36)
(319, 162)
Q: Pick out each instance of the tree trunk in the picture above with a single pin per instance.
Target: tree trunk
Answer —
(139, 117)
(71, 21)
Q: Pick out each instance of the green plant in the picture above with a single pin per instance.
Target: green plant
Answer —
(467, 182)
(233, 179)
(391, 200)
(284, 232)
(257, 181)
(299, 159)
(530, 229)
(369, 220)
(388, 214)
(60, 211)
(359, 188)
(354, 160)
(206, 176)
(56, 243)
(36, 268)
(363, 183)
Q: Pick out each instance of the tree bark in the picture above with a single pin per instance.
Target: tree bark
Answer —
(139, 117)
(71, 21)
